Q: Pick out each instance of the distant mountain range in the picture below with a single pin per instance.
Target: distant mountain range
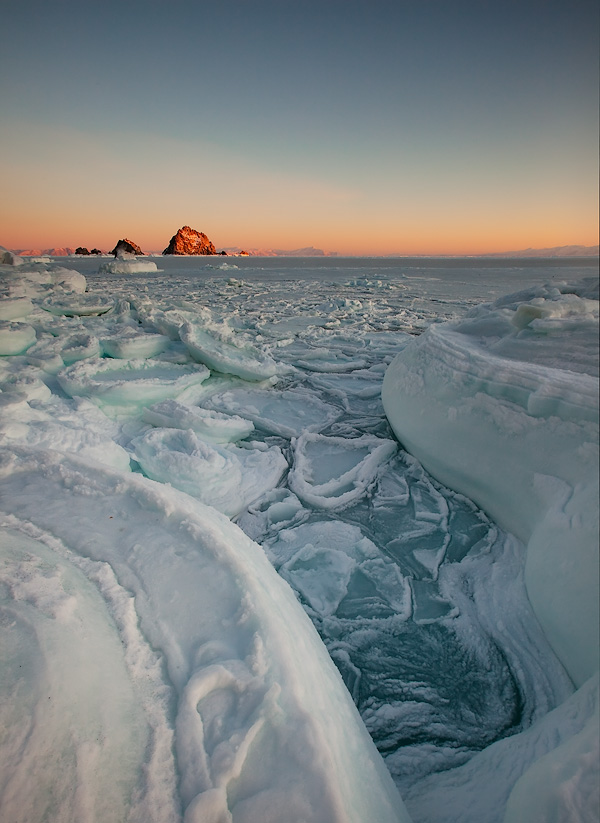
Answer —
(555, 251)
(308, 251)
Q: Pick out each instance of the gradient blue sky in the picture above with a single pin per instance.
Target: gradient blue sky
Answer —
(414, 126)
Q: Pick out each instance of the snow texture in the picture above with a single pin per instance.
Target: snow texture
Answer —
(227, 594)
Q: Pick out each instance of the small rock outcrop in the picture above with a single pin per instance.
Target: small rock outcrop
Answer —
(81, 250)
(190, 241)
(127, 246)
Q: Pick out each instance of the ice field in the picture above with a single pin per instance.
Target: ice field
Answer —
(232, 584)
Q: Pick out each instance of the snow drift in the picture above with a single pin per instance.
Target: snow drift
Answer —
(503, 407)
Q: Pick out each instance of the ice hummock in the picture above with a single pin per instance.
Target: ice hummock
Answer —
(503, 406)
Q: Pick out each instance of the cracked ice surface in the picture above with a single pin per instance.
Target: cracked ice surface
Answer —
(212, 692)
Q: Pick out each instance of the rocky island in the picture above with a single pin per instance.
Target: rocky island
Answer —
(127, 246)
(190, 241)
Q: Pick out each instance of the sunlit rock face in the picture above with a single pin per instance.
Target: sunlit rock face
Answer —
(127, 246)
(190, 241)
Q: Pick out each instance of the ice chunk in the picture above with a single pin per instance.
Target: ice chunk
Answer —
(224, 356)
(332, 472)
(15, 337)
(329, 360)
(83, 305)
(26, 383)
(226, 477)
(210, 425)
(13, 308)
(285, 413)
(129, 343)
(9, 258)
(130, 382)
(128, 266)
(320, 560)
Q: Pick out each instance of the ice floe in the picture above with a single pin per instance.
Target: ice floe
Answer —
(135, 383)
(226, 477)
(15, 337)
(332, 472)
(286, 413)
(210, 425)
(224, 356)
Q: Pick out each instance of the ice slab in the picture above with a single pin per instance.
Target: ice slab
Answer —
(135, 383)
(14, 308)
(264, 728)
(226, 477)
(332, 472)
(209, 425)
(285, 413)
(129, 343)
(225, 356)
(80, 305)
(15, 337)
(326, 562)
(134, 266)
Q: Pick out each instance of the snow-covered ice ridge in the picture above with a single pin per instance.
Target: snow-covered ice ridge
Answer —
(203, 506)
(503, 406)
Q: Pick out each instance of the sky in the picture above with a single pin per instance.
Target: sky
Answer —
(408, 127)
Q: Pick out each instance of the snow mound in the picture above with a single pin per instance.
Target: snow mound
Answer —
(497, 410)
(264, 728)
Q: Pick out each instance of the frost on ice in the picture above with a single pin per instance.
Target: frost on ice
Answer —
(228, 595)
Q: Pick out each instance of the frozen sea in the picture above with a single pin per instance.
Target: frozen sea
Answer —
(238, 585)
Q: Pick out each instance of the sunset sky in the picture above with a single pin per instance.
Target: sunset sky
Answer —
(411, 127)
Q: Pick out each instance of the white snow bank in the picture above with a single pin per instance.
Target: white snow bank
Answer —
(226, 477)
(264, 728)
(496, 410)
